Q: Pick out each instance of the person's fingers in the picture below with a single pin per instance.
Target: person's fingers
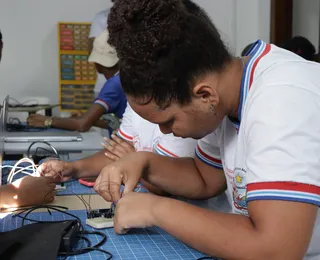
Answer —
(42, 169)
(118, 229)
(51, 186)
(110, 182)
(118, 221)
(49, 180)
(50, 197)
(111, 156)
(127, 147)
(66, 178)
(117, 139)
(129, 185)
(120, 141)
(102, 187)
(46, 170)
(116, 149)
(106, 146)
(115, 181)
(109, 141)
(51, 174)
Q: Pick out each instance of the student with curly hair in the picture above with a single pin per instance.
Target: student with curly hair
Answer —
(257, 120)
(135, 134)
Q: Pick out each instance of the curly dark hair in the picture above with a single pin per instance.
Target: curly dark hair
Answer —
(163, 47)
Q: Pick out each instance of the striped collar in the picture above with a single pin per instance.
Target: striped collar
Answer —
(258, 50)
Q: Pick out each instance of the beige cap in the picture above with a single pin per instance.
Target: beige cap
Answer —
(103, 53)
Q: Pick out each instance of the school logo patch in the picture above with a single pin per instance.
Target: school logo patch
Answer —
(240, 191)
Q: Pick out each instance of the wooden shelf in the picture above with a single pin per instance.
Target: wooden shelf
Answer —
(71, 52)
(75, 32)
(77, 82)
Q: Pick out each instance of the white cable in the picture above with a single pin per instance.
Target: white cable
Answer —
(23, 168)
(14, 170)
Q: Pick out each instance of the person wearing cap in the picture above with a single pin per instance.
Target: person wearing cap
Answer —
(111, 99)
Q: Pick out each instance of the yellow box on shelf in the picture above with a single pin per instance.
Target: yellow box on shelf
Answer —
(76, 75)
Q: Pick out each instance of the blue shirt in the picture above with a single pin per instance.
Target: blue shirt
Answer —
(112, 97)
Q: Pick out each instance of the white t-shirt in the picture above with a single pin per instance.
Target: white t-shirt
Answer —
(273, 154)
(147, 136)
(98, 25)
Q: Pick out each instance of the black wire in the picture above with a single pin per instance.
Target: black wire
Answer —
(56, 208)
(206, 257)
(54, 150)
(102, 251)
(24, 209)
(104, 237)
(89, 249)
(14, 120)
(87, 240)
(81, 238)
(50, 152)
(81, 251)
(84, 202)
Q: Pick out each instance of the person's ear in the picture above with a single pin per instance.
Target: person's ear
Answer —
(206, 93)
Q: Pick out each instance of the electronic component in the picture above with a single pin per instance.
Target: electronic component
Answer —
(100, 218)
(100, 223)
(106, 213)
(60, 186)
(70, 237)
(73, 232)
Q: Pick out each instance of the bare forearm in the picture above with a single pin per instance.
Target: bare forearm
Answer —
(72, 124)
(91, 166)
(101, 123)
(227, 236)
(177, 176)
(7, 196)
(153, 189)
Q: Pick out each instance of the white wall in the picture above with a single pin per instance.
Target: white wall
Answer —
(240, 21)
(252, 22)
(29, 64)
(30, 61)
(222, 13)
(306, 19)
